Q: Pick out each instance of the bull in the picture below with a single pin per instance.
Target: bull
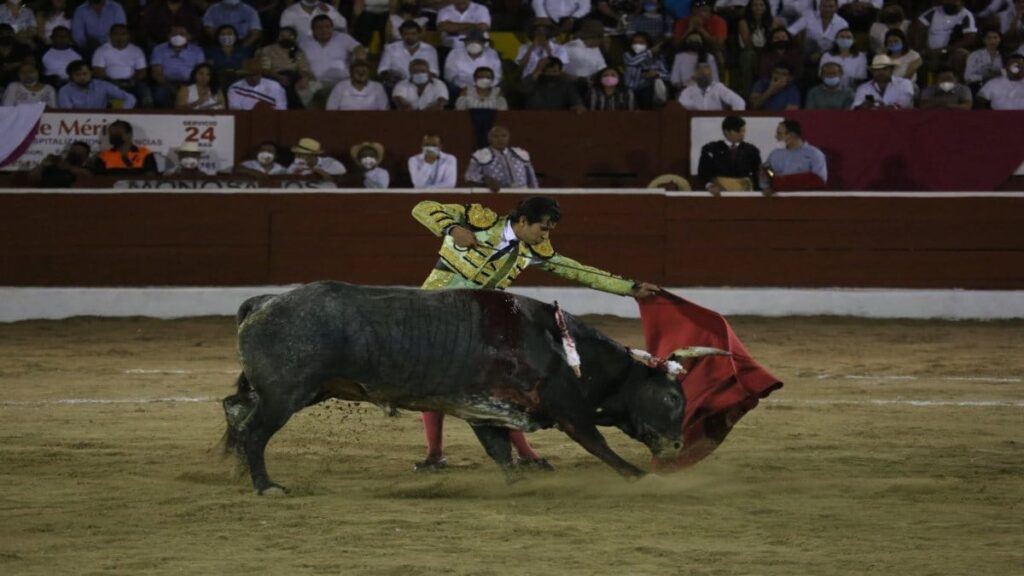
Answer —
(494, 359)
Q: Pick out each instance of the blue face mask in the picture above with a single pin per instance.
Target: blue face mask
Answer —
(896, 47)
(831, 81)
(844, 43)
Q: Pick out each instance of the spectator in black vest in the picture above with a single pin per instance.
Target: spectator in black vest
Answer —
(731, 158)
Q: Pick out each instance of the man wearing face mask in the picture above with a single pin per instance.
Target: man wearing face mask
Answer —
(394, 63)
(644, 71)
(421, 91)
(265, 163)
(548, 89)
(541, 47)
(1006, 92)
(500, 165)
(705, 94)
(237, 14)
(160, 16)
(830, 94)
(91, 22)
(947, 92)
(123, 64)
(944, 34)
(189, 163)
(123, 156)
(463, 61)
(884, 91)
(368, 156)
(433, 168)
(171, 65)
(299, 16)
(483, 94)
(255, 90)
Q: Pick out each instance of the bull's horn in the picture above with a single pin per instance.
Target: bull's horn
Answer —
(697, 352)
(641, 356)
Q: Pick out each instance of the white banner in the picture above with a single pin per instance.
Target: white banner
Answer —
(162, 134)
(706, 129)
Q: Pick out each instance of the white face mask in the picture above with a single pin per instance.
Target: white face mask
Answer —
(301, 163)
(947, 86)
(432, 150)
(484, 83)
(1014, 69)
(189, 162)
(420, 78)
(178, 40)
(265, 157)
(368, 162)
(639, 48)
(474, 49)
(227, 40)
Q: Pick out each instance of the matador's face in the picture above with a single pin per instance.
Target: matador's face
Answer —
(533, 234)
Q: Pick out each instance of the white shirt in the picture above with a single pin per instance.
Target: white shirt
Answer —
(876, 3)
(558, 9)
(345, 96)
(980, 62)
(855, 68)
(528, 56)
(684, 65)
(899, 92)
(876, 35)
(396, 58)
(1007, 20)
(25, 20)
(793, 10)
(716, 97)
(407, 91)
(396, 21)
(55, 62)
(329, 62)
(297, 18)
(16, 93)
(119, 64)
(274, 170)
(460, 66)
(474, 14)
(819, 37)
(583, 61)
(1003, 93)
(376, 177)
(940, 25)
(243, 96)
(439, 174)
(325, 163)
(508, 235)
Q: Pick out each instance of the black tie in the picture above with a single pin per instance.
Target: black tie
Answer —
(512, 245)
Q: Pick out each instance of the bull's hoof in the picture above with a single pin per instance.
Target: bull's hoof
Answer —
(273, 491)
(535, 465)
(431, 464)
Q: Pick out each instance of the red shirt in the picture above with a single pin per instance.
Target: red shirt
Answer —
(715, 26)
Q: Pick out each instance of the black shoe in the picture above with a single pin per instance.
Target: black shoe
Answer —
(535, 465)
(431, 464)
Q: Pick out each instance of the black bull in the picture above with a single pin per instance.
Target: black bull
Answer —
(492, 358)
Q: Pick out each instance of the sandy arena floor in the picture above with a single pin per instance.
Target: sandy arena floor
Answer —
(895, 448)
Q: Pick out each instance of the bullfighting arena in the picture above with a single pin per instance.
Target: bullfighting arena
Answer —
(895, 447)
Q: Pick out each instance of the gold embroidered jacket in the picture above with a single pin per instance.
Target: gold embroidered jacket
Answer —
(478, 268)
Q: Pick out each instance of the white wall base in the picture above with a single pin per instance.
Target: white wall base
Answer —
(161, 302)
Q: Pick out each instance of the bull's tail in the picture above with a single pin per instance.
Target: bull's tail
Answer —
(239, 409)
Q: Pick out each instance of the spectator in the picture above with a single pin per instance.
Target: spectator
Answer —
(62, 171)
(646, 17)
(369, 16)
(12, 54)
(28, 88)
(693, 51)
(585, 58)
(944, 34)
(91, 22)
(563, 13)
(986, 62)
(330, 52)
(791, 11)
(890, 18)
(286, 63)
(123, 64)
(796, 160)
(1011, 24)
(711, 27)
(433, 168)
(1005, 92)
(704, 93)
(994, 9)
(358, 92)
(548, 89)
(160, 16)
(123, 156)
(171, 65)
(406, 11)
(55, 13)
(483, 94)
(778, 94)
(368, 156)
(394, 63)
(463, 61)
(21, 19)
(608, 93)
(310, 160)
(539, 48)
(243, 20)
(57, 57)
(818, 30)
(884, 91)
(189, 163)
(831, 94)
(781, 49)
(227, 56)
(754, 34)
(513, 170)
(265, 163)
(861, 14)
(849, 58)
(300, 15)
(203, 91)
(85, 93)
(947, 92)
(906, 60)
(460, 18)
(730, 164)
(421, 91)
(645, 74)
(254, 90)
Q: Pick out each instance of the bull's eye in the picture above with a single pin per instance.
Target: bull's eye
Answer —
(671, 400)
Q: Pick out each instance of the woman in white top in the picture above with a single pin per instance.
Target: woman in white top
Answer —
(907, 61)
(890, 18)
(849, 58)
(986, 62)
(29, 89)
(203, 92)
(483, 93)
(55, 14)
(20, 18)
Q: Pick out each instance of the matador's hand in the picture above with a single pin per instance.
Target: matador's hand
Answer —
(463, 237)
(644, 289)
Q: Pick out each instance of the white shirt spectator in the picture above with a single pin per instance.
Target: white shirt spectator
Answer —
(820, 38)
(329, 62)
(899, 93)
(55, 62)
(439, 174)
(119, 64)
(25, 20)
(16, 93)
(876, 3)
(376, 178)
(345, 96)
(716, 97)
(474, 14)
(684, 65)
(460, 66)
(471, 99)
(408, 92)
(855, 68)
(52, 22)
(397, 21)
(995, 7)
(940, 25)
(903, 62)
(297, 18)
(1003, 93)
(325, 163)
(528, 56)
(274, 170)
(584, 62)
(396, 59)
(980, 63)
(244, 96)
(557, 10)
(1008, 20)
(876, 35)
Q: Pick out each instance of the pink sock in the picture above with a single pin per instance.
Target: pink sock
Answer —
(518, 438)
(433, 428)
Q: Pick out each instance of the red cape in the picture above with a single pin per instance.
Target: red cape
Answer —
(719, 390)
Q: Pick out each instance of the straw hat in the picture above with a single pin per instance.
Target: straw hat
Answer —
(308, 146)
(377, 147)
(189, 147)
(882, 61)
(664, 179)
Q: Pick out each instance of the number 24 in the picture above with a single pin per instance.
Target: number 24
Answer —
(192, 134)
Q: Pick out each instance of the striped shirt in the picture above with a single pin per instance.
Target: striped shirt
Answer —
(245, 96)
